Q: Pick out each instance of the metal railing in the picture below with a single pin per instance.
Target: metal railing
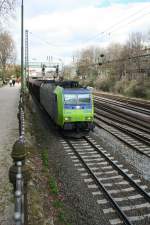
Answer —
(19, 196)
(18, 173)
(21, 119)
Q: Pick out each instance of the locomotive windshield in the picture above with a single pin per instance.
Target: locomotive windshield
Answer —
(70, 99)
(83, 99)
(77, 99)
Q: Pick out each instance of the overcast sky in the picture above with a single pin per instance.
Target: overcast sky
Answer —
(59, 28)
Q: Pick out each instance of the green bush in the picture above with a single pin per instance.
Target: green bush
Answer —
(53, 186)
(105, 84)
(57, 204)
(88, 83)
(120, 86)
(44, 155)
(147, 93)
(135, 89)
(147, 88)
(61, 217)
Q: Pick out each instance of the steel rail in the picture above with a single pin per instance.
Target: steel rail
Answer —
(136, 102)
(139, 137)
(145, 127)
(144, 193)
(123, 140)
(122, 105)
(123, 121)
(144, 140)
(121, 214)
(126, 112)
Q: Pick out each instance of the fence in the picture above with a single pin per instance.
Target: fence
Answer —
(18, 172)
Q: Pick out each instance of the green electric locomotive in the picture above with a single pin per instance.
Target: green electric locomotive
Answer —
(68, 104)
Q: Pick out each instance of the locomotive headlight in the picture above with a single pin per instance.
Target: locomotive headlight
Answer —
(88, 117)
(67, 118)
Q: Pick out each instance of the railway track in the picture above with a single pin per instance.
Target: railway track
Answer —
(124, 105)
(132, 128)
(124, 136)
(122, 121)
(138, 121)
(121, 195)
(144, 104)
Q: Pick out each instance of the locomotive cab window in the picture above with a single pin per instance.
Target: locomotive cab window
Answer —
(84, 99)
(70, 99)
(77, 99)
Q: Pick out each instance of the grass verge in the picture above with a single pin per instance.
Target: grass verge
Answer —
(54, 192)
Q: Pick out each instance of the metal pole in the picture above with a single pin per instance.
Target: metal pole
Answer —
(26, 57)
(22, 48)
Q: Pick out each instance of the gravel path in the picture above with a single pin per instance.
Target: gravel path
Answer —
(9, 98)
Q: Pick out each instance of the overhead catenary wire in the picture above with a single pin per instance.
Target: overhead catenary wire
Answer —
(133, 57)
(131, 21)
(49, 43)
(44, 42)
(107, 31)
(124, 20)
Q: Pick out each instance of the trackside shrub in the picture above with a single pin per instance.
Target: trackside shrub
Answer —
(120, 86)
(44, 155)
(104, 84)
(53, 186)
(135, 89)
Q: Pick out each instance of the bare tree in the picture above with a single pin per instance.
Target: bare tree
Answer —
(86, 59)
(7, 52)
(113, 51)
(135, 42)
(6, 6)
